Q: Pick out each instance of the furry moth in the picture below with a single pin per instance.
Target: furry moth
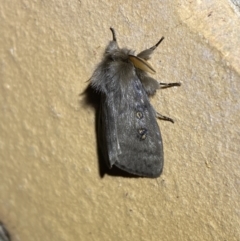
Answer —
(128, 133)
(4, 234)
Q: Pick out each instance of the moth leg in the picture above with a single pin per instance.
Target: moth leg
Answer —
(145, 54)
(167, 85)
(162, 117)
(155, 46)
(112, 46)
(150, 85)
(113, 34)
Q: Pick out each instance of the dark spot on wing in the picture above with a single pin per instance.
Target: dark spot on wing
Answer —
(142, 133)
(139, 115)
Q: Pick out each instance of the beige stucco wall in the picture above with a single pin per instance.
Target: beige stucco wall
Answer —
(50, 186)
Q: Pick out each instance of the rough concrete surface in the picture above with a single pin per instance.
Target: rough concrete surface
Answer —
(51, 187)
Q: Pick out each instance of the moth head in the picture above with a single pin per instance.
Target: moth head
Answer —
(114, 53)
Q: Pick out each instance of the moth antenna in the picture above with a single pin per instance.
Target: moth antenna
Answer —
(113, 34)
(155, 46)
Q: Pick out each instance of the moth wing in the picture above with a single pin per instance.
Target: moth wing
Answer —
(129, 136)
(138, 134)
(107, 131)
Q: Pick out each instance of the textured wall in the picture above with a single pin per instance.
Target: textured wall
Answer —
(51, 187)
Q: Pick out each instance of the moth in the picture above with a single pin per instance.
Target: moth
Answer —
(128, 133)
(4, 234)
